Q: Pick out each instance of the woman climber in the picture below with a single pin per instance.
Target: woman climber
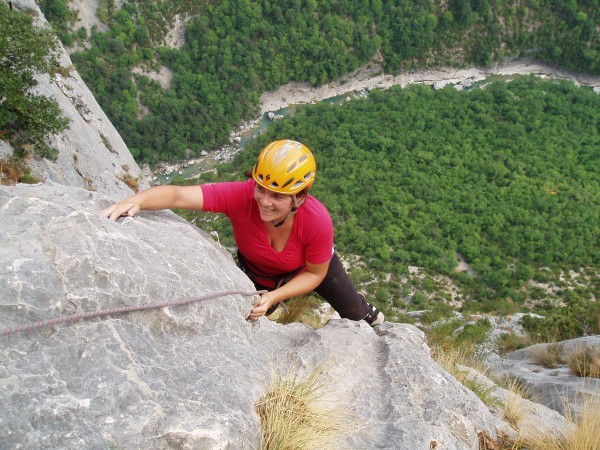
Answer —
(284, 235)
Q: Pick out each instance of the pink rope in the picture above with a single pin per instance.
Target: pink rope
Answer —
(89, 315)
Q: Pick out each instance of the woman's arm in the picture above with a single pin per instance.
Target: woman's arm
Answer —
(156, 198)
(301, 284)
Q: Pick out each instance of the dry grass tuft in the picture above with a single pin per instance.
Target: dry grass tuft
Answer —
(538, 440)
(299, 412)
(452, 358)
(454, 361)
(547, 355)
(8, 173)
(299, 309)
(516, 409)
(586, 434)
(585, 362)
(131, 181)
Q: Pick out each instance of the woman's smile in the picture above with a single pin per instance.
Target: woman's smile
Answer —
(269, 213)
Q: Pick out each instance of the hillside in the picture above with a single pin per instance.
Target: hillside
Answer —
(233, 51)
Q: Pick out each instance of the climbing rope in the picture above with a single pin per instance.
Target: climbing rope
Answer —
(81, 316)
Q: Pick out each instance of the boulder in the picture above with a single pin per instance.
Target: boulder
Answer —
(557, 388)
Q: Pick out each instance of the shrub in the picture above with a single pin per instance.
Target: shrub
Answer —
(418, 301)
(474, 333)
(452, 334)
(500, 306)
(441, 310)
(26, 119)
(441, 335)
(508, 342)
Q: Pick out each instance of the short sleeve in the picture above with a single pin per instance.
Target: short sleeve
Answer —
(226, 197)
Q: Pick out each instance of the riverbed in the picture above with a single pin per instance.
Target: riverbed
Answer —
(283, 101)
(372, 77)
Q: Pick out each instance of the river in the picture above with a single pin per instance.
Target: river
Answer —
(283, 101)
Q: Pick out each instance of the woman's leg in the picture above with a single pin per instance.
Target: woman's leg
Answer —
(339, 291)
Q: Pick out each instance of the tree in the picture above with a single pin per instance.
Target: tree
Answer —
(26, 119)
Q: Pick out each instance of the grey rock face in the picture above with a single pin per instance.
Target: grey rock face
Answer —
(183, 376)
(92, 154)
(534, 419)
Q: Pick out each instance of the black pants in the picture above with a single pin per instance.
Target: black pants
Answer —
(338, 290)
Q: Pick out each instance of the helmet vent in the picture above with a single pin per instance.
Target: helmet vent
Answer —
(308, 176)
(297, 184)
(292, 167)
(302, 158)
(287, 182)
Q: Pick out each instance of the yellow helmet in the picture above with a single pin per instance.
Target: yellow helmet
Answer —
(285, 166)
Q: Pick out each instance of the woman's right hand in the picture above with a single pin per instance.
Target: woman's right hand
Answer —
(124, 208)
(263, 305)
(157, 198)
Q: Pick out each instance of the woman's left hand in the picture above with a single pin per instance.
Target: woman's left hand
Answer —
(261, 307)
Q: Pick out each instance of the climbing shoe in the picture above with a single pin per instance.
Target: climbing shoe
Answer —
(374, 316)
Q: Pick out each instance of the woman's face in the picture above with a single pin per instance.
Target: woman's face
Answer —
(272, 205)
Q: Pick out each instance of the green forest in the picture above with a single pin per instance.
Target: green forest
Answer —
(236, 49)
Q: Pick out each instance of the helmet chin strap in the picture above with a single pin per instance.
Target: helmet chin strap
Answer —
(297, 205)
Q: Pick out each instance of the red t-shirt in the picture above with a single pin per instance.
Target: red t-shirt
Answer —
(311, 239)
